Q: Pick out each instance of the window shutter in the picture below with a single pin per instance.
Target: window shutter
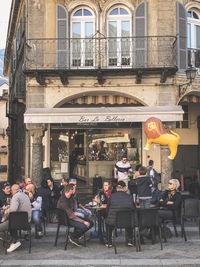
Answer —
(62, 37)
(182, 37)
(140, 33)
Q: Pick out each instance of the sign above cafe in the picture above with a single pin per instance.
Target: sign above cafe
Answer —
(101, 115)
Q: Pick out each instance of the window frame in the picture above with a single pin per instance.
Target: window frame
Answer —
(119, 19)
(82, 20)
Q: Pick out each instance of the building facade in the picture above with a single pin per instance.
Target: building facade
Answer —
(3, 131)
(86, 75)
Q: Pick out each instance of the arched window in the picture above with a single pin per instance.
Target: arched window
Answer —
(193, 41)
(119, 33)
(82, 31)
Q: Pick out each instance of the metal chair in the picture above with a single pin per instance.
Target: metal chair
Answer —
(127, 219)
(63, 220)
(190, 210)
(149, 218)
(18, 221)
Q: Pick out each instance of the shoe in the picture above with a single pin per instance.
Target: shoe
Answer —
(74, 241)
(130, 243)
(14, 246)
(108, 245)
(40, 234)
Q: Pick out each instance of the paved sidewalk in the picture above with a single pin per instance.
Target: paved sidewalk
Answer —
(176, 252)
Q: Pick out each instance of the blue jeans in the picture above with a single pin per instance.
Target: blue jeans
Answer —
(36, 216)
(85, 214)
(145, 203)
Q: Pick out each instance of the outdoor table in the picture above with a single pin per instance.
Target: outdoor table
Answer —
(98, 220)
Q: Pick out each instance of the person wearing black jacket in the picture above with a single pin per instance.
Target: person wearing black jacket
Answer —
(170, 201)
(118, 201)
(143, 184)
(5, 194)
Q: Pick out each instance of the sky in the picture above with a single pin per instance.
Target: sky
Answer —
(4, 19)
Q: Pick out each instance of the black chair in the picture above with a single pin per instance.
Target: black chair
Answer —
(176, 214)
(63, 220)
(190, 210)
(18, 221)
(149, 218)
(126, 219)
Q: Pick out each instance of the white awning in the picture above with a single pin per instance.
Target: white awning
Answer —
(102, 114)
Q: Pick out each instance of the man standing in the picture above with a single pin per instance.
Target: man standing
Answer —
(68, 203)
(19, 202)
(119, 201)
(144, 185)
(121, 170)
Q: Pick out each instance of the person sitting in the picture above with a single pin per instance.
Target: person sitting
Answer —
(36, 204)
(54, 191)
(156, 196)
(64, 182)
(119, 200)
(28, 181)
(44, 192)
(5, 194)
(170, 201)
(102, 199)
(143, 184)
(68, 203)
(20, 182)
(82, 212)
(19, 202)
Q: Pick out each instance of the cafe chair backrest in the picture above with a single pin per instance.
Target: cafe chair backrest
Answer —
(191, 207)
(18, 220)
(62, 216)
(126, 219)
(148, 217)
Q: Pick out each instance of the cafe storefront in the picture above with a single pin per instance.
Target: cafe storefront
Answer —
(87, 142)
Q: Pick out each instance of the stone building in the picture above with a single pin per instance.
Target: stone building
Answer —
(85, 76)
(3, 134)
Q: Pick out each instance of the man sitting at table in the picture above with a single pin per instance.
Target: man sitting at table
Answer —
(119, 201)
(68, 203)
(82, 211)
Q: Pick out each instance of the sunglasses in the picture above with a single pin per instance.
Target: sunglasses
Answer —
(6, 184)
(170, 183)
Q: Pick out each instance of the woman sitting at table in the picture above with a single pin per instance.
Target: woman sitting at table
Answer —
(170, 201)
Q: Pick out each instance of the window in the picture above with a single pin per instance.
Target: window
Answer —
(193, 42)
(82, 31)
(119, 32)
(185, 123)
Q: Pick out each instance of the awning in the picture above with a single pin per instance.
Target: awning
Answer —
(102, 114)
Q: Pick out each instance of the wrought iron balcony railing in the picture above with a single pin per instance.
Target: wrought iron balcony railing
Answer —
(194, 57)
(94, 53)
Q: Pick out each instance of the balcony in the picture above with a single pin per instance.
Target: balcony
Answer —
(74, 56)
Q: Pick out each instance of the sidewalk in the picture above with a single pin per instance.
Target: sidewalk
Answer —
(176, 252)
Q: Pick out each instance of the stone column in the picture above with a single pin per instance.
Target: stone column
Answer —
(166, 167)
(37, 133)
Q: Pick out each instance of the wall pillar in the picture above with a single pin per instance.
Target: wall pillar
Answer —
(166, 167)
(37, 133)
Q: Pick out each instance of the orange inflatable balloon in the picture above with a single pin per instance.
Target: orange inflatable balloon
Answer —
(156, 133)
